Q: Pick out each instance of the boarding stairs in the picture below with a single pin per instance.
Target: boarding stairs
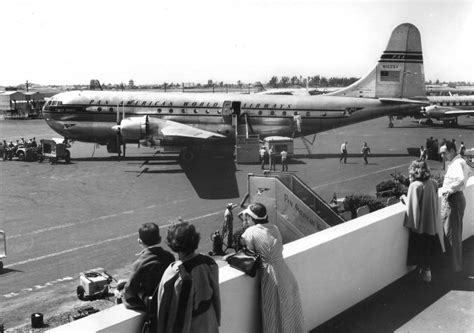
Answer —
(246, 144)
(293, 206)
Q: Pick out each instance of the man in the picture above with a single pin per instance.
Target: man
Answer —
(462, 149)
(271, 157)
(262, 152)
(453, 202)
(147, 270)
(343, 152)
(365, 152)
(284, 160)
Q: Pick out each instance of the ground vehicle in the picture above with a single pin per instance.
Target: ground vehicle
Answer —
(21, 152)
(279, 143)
(54, 151)
(26, 153)
(3, 248)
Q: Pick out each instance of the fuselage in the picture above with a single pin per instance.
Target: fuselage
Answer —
(90, 115)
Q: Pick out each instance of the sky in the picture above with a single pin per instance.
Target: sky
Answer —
(151, 42)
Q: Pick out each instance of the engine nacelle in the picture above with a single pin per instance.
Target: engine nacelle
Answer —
(133, 129)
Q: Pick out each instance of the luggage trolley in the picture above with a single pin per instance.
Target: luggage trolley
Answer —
(3, 248)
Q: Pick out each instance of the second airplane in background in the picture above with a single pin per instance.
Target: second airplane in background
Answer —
(190, 121)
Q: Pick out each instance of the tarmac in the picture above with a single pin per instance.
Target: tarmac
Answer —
(64, 219)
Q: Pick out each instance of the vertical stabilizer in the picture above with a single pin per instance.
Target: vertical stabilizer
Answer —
(398, 74)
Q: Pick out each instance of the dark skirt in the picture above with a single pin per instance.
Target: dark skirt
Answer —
(422, 249)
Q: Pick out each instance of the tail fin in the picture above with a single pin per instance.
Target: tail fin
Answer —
(399, 72)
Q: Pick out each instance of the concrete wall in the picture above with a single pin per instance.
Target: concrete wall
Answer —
(335, 268)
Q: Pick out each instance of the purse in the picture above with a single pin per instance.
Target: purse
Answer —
(246, 261)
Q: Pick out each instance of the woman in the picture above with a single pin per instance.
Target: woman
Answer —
(280, 300)
(422, 219)
(188, 296)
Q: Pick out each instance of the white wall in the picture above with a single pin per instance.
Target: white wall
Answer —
(335, 269)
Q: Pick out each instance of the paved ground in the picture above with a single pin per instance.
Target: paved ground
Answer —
(64, 219)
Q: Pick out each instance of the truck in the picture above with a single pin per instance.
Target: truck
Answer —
(279, 143)
(54, 150)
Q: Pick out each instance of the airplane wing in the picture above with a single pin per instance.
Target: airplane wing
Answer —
(139, 128)
(436, 111)
(459, 112)
(174, 129)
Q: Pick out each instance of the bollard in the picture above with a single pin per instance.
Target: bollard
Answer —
(37, 320)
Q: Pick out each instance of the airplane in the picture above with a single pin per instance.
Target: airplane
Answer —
(443, 108)
(308, 91)
(190, 121)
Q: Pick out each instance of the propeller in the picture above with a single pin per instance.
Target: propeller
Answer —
(425, 110)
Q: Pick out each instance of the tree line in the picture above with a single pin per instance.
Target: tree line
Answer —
(312, 81)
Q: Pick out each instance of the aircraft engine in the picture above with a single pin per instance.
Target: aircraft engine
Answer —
(425, 110)
(133, 129)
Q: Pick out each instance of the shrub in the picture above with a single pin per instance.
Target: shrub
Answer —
(354, 201)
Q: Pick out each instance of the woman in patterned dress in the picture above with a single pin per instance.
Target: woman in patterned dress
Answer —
(280, 300)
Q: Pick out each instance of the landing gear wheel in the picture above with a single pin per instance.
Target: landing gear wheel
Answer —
(390, 125)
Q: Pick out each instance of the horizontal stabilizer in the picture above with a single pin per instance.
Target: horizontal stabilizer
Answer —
(403, 101)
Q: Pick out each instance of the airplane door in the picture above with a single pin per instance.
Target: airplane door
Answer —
(231, 112)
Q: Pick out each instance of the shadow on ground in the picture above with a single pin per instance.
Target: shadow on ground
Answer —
(396, 304)
(213, 178)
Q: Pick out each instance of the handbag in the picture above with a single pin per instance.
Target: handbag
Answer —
(246, 261)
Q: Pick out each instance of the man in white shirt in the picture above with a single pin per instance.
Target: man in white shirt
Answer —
(284, 160)
(343, 152)
(453, 202)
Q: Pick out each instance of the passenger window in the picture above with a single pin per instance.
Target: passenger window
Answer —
(259, 112)
(284, 113)
(99, 109)
(159, 110)
(272, 113)
(171, 110)
(308, 113)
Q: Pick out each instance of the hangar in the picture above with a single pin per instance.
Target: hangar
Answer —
(21, 105)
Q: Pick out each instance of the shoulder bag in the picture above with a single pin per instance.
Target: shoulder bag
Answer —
(246, 261)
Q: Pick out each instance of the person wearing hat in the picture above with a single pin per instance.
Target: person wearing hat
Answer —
(228, 226)
(281, 307)
(147, 270)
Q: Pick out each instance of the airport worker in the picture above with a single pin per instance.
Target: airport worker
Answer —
(423, 219)
(228, 226)
(462, 149)
(271, 157)
(284, 160)
(422, 154)
(4, 150)
(365, 152)
(436, 156)
(343, 152)
(262, 152)
(188, 295)
(280, 304)
(147, 270)
(34, 144)
(453, 203)
(442, 150)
